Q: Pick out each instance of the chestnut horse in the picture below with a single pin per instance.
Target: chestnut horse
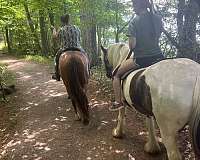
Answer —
(167, 92)
(73, 66)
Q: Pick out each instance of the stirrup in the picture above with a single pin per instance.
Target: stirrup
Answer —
(116, 106)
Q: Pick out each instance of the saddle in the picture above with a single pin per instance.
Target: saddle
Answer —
(72, 49)
(140, 94)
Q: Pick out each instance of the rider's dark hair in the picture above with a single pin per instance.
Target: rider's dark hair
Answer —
(65, 19)
(145, 4)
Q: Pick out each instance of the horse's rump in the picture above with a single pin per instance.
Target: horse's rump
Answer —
(74, 62)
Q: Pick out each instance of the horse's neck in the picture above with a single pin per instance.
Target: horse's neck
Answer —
(117, 55)
(114, 59)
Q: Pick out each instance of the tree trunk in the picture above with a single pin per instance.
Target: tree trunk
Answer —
(180, 20)
(99, 36)
(54, 44)
(30, 22)
(88, 31)
(8, 40)
(187, 30)
(43, 33)
(116, 22)
(51, 18)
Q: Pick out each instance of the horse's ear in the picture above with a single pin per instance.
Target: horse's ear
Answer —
(105, 50)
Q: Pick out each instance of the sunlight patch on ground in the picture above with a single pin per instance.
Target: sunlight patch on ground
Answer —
(102, 124)
(57, 94)
(28, 138)
(130, 157)
(94, 103)
(35, 88)
(119, 151)
(25, 77)
(25, 108)
(9, 61)
(10, 144)
(143, 133)
(114, 120)
(16, 65)
(53, 93)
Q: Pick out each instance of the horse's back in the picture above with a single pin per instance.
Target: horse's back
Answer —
(73, 54)
(71, 60)
(180, 68)
(173, 76)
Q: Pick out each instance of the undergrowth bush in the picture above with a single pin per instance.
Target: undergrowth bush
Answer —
(6, 79)
(98, 73)
(39, 59)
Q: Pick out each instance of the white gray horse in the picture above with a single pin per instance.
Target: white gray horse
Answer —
(168, 92)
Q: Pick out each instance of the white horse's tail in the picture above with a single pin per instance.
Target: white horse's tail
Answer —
(195, 118)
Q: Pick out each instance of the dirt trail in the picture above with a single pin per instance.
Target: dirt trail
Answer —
(45, 129)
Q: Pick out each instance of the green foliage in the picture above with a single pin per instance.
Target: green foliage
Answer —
(108, 14)
(99, 75)
(6, 78)
(38, 59)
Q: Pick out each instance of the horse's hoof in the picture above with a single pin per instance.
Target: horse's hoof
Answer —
(77, 118)
(152, 149)
(117, 134)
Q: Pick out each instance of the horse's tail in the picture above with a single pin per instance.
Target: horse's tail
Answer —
(195, 118)
(76, 82)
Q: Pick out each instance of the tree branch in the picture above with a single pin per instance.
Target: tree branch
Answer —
(168, 35)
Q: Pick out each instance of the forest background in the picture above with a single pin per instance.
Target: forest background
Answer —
(26, 25)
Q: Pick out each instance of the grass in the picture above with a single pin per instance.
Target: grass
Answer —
(38, 59)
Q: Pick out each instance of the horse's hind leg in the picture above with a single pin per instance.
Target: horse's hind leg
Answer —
(152, 145)
(169, 140)
(119, 130)
(168, 133)
(77, 116)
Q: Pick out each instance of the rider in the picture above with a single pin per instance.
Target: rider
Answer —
(69, 39)
(144, 32)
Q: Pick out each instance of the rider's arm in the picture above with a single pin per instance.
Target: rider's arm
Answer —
(132, 32)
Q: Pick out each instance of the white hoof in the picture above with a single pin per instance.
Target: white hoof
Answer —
(77, 118)
(175, 156)
(117, 134)
(152, 149)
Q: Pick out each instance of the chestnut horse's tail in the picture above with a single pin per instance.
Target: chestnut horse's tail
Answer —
(75, 76)
(195, 119)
